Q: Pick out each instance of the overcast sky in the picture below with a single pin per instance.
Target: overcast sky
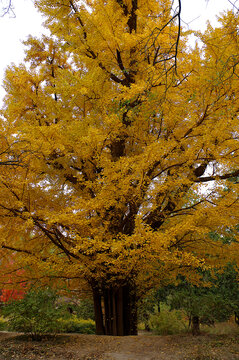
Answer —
(28, 21)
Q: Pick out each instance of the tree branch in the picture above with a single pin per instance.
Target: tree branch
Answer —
(217, 177)
(8, 9)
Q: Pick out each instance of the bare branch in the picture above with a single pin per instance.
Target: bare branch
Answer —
(7, 8)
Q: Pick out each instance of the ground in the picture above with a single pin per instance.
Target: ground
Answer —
(91, 347)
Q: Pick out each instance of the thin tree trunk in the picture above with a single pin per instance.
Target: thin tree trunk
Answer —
(100, 329)
(119, 311)
(236, 318)
(114, 314)
(195, 325)
(131, 311)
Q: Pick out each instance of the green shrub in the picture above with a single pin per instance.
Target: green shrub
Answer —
(3, 324)
(36, 314)
(84, 309)
(76, 325)
(167, 322)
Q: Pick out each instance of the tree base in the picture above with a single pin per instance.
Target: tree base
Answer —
(115, 310)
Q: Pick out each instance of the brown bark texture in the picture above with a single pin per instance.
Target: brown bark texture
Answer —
(195, 325)
(115, 310)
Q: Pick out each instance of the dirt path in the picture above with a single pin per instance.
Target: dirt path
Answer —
(145, 347)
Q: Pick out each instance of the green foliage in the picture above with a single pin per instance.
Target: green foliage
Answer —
(226, 284)
(84, 309)
(36, 314)
(207, 306)
(146, 308)
(76, 325)
(150, 305)
(167, 322)
(215, 302)
(3, 324)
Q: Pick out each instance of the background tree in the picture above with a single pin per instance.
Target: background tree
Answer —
(118, 124)
(213, 299)
(202, 305)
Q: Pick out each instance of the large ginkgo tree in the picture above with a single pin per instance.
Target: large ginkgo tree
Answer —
(119, 152)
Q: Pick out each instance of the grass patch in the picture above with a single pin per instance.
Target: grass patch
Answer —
(76, 325)
(222, 328)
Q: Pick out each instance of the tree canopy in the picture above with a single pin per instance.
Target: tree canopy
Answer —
(110, 130)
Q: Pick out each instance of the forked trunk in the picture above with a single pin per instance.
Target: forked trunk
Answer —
(115, 310)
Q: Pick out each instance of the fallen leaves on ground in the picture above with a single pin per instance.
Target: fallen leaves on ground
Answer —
(92, 347)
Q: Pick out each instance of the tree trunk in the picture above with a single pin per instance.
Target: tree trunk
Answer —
(236, 318)
(115, 310)
(195, 325)
(100, 329)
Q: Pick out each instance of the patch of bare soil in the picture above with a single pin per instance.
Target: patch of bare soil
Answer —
(92, 347)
